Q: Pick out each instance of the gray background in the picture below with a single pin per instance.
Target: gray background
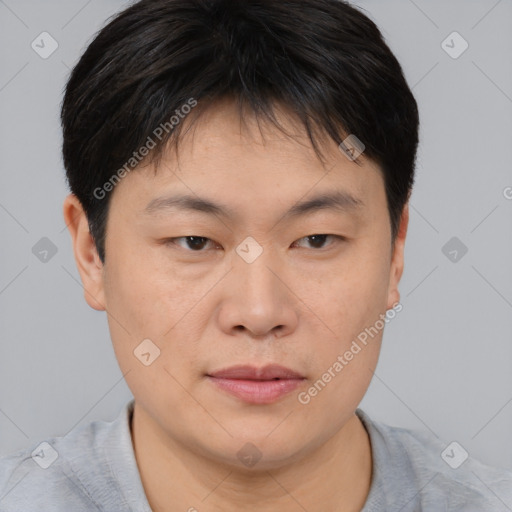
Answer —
(447, 357)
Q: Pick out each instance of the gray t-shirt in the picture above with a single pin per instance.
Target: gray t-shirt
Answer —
(93, 468)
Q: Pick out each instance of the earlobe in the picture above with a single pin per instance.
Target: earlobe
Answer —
(86, 256)
(397, 260)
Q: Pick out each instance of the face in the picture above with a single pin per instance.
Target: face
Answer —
(274, 259)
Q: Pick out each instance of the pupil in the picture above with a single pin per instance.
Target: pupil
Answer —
(196, 242)
(317, 240)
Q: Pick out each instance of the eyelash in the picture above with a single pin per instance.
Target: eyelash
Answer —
(172, 241)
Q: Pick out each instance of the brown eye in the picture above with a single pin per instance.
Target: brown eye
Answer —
(317, 241)
(193, 243)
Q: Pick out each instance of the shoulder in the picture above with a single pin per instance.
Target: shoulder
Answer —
(41, 475)
(432, 473)
(71, 472)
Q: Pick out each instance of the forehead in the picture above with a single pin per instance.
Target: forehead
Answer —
(235, 162)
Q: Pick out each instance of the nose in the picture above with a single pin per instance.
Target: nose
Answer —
(258, 300)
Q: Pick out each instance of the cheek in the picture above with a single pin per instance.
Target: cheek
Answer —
(148, 299)
(349, 300)
(350, 303)
(148, 293)
(351, 294)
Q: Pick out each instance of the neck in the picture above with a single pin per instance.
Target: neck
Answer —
(335, 477)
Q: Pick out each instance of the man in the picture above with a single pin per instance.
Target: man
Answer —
(240, 175)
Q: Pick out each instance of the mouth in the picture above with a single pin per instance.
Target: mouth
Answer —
(254, 385)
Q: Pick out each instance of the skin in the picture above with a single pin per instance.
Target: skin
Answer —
(300, 304)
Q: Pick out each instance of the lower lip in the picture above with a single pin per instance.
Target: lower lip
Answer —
(257, 391)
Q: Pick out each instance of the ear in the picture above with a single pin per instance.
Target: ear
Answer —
(397, 259)
(86, 256)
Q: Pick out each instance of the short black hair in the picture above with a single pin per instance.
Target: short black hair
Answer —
(324, 60)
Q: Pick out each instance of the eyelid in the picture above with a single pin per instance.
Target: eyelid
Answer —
(338, 238)
(172, 241)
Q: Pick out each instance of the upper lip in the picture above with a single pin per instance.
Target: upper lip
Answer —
(247, 372)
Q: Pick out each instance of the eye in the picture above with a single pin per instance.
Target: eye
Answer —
(194, 243)
(318, 241)
(200, 243)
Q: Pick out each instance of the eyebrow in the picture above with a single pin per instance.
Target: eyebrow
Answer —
(337, 200)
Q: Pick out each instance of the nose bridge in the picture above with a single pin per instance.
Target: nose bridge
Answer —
(257, 282)
(258, 300)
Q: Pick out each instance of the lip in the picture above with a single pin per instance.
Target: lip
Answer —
(248, 372)
(254, 385)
